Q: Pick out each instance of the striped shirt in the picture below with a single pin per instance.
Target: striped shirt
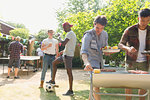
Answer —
(14, 48)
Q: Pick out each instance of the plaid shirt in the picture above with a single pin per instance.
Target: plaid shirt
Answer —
(130, 38)
(14, 49)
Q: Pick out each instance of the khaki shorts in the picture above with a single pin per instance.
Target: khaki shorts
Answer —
(137, 66)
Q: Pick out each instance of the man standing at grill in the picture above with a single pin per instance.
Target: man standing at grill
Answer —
(50, 49)
(14, 49)
(68, 53)
(92, 42)
(135, 40)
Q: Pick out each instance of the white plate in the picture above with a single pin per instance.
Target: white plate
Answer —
(111, 50)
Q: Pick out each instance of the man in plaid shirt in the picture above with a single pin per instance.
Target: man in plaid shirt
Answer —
(14, 48)
(135, 40)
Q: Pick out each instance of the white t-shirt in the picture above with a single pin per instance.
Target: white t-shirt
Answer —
(52, 49)
(70, 46)
(39, 51)
(142, 37)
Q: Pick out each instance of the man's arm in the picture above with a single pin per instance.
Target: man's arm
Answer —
(21, 48)
(88, 66)
(9, 48)
(44, 47)
(123, 41)
(65, 42)
(57, 50)
(84, 51)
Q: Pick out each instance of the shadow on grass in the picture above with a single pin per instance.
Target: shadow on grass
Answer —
(48, 95)
(80, 95)
(6, 81)
(21, 74)
(84, 94)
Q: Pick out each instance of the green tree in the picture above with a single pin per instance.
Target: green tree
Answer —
(23, 33)
(75, 6)
(120, 14)
(42, 34)
(16, 25)
(81, 21)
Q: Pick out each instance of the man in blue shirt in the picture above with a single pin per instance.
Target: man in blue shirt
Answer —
(92, 43)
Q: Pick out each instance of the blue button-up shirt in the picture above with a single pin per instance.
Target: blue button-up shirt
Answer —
(95, 57)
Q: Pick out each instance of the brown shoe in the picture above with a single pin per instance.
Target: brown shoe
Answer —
(41, 85)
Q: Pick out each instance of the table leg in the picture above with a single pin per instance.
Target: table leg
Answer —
(37, 65)
(148, 62)
(28, 70)
(3, 66)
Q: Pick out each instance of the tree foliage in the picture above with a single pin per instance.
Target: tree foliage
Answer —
(17, 25)
(81, 21)
(23, 33)
(76, 6)
(42, 34)
(120, 14)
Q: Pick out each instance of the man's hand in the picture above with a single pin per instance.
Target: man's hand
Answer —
(127, 49)
(88, 67)
(60, 53)
(132, 50)
(50, 45)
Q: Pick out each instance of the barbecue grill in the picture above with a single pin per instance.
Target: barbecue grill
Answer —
(119, 80)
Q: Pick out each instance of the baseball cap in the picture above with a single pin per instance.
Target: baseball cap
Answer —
(67, 23)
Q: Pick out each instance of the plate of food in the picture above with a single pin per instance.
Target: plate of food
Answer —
(109, 49)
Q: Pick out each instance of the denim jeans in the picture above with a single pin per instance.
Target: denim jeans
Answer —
(47, 60)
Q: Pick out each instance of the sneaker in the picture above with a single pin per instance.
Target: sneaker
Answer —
(7, 77)
(35, 70)
(51, 82)
(16, 77)
(69, 93)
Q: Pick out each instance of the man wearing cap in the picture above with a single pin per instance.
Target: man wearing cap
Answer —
(68, 53)
(50, 49)
(14, 49)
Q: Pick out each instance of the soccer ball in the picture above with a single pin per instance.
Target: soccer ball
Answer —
(49, 88)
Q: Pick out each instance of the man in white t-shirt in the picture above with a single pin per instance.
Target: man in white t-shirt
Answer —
(50, 49)
(68, 53)
(135, 40)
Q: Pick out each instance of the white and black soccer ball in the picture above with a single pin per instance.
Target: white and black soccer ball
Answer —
(49, 88)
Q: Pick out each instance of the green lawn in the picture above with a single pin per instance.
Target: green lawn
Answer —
(31, 92)
(83, 95)
(26, 88)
